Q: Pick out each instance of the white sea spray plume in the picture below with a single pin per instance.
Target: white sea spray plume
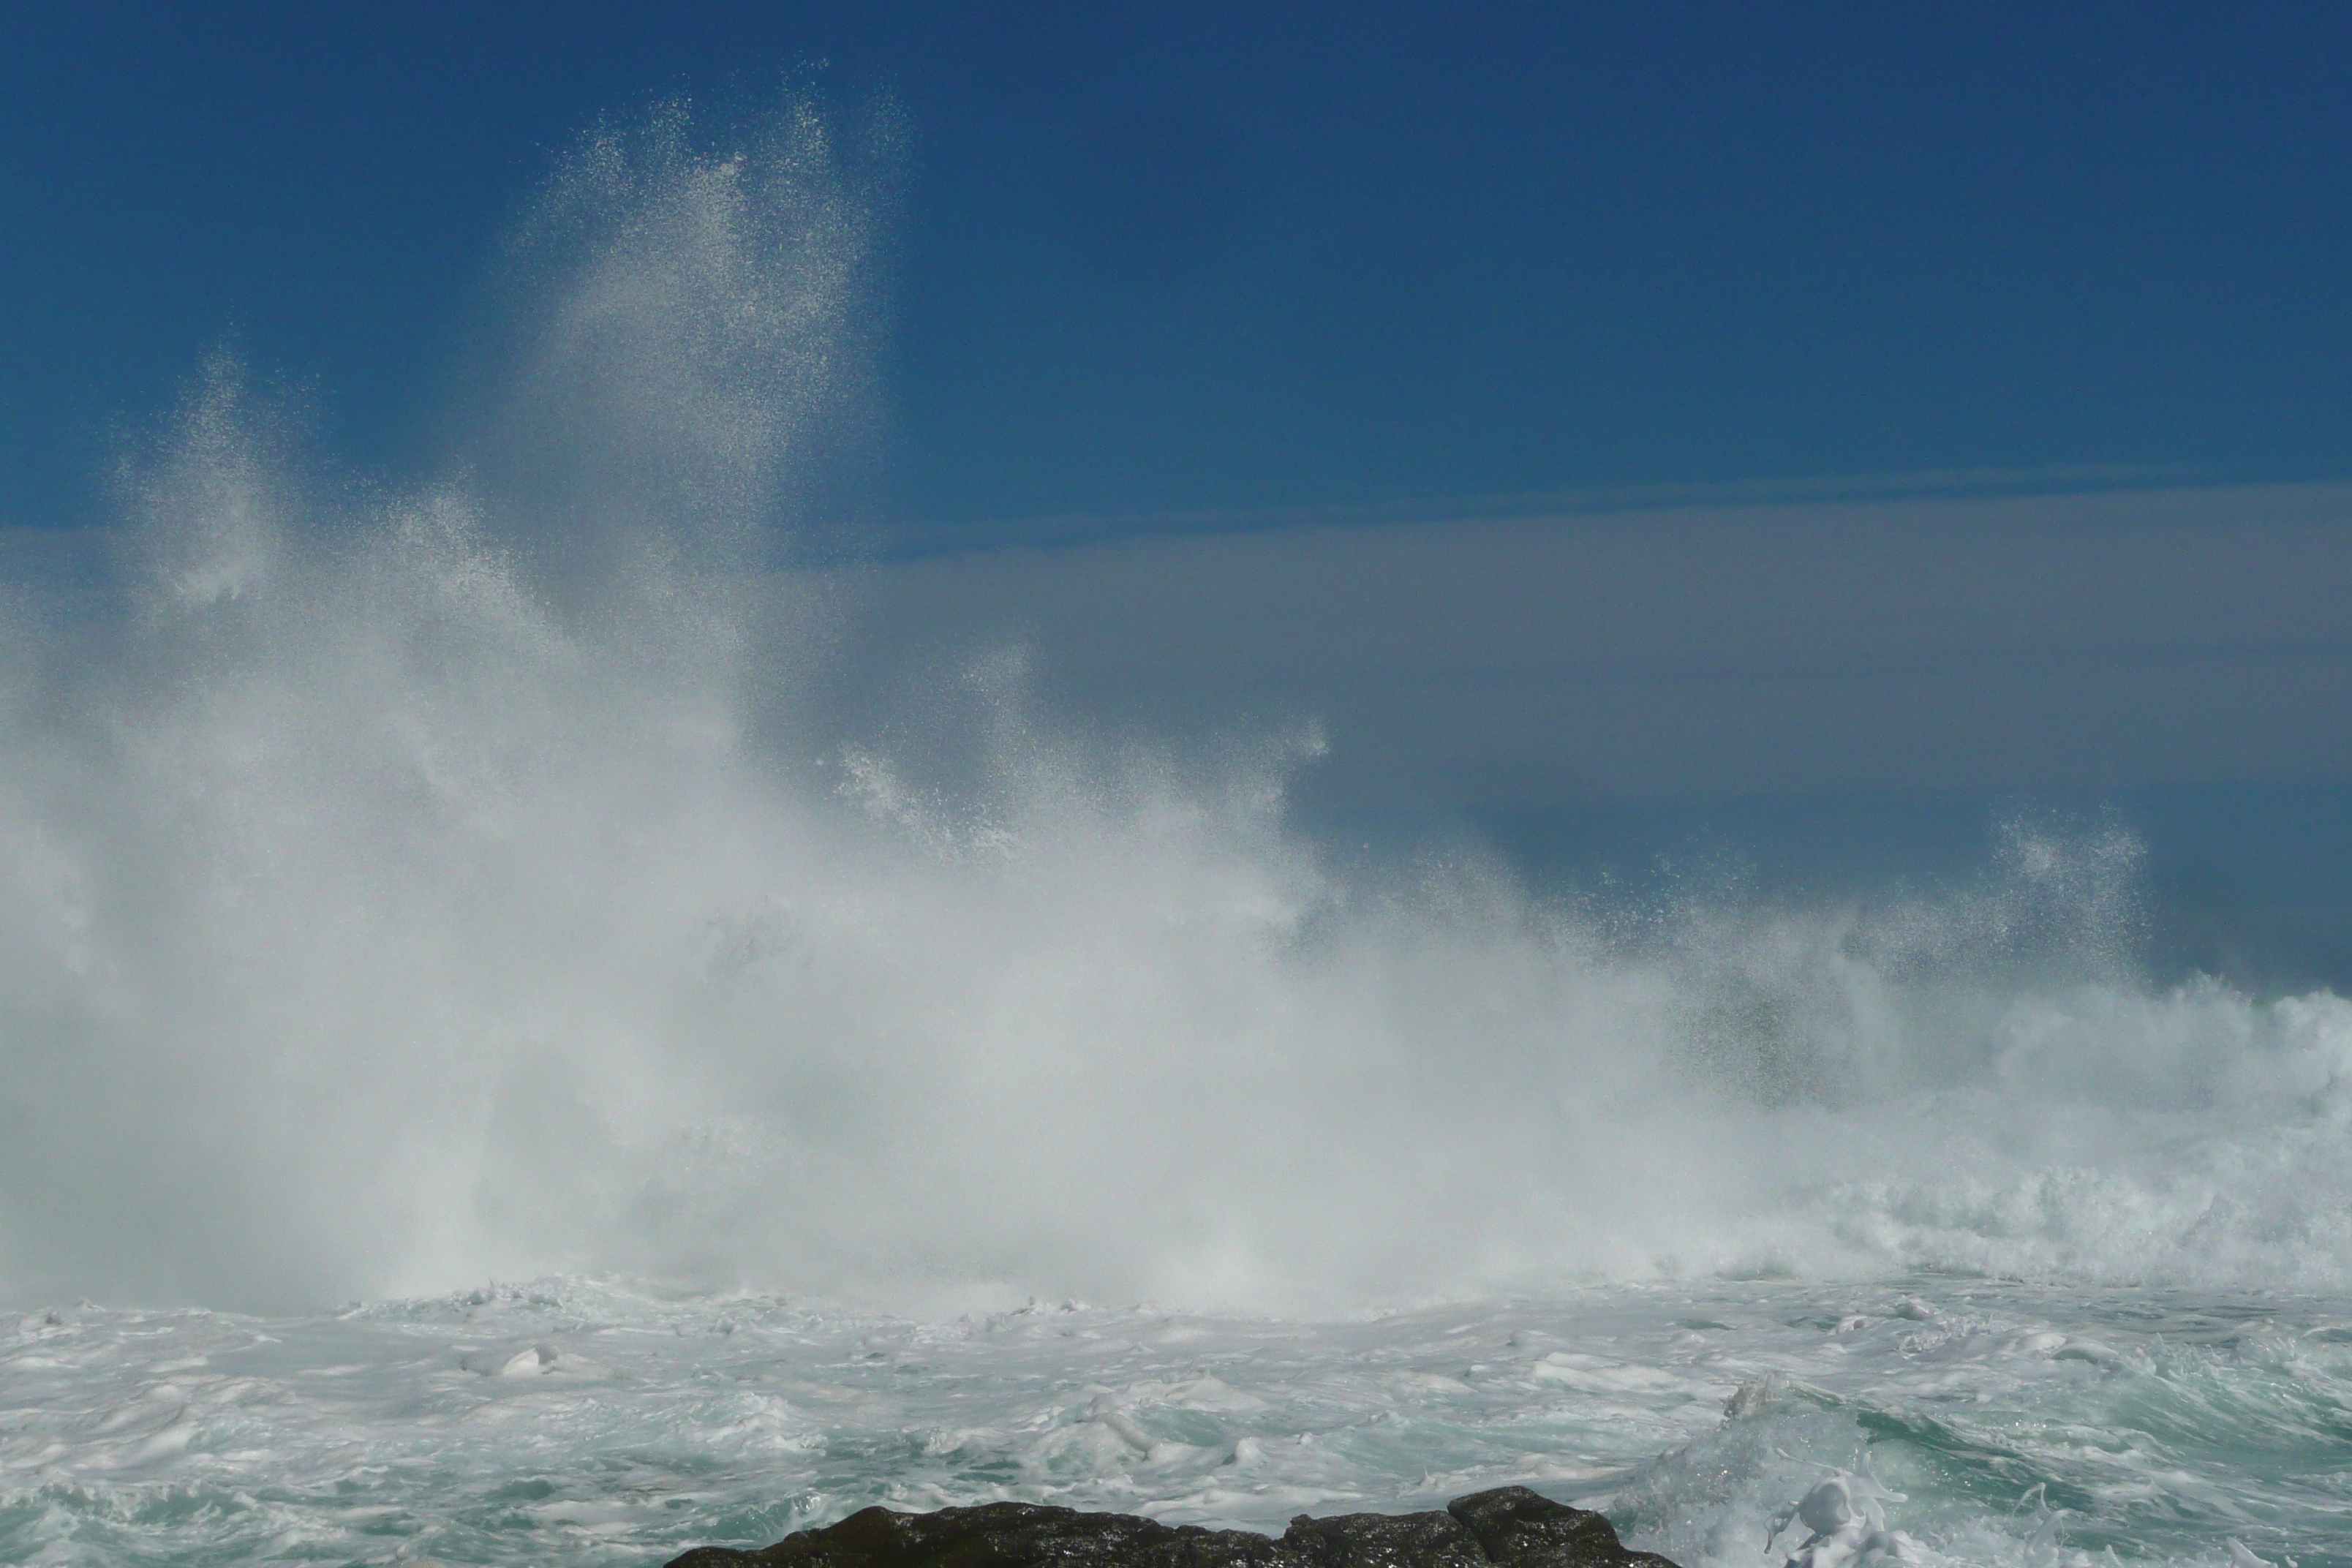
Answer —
(405, 885)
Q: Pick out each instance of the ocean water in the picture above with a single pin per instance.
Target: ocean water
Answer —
(412, 883)
(570, 1421)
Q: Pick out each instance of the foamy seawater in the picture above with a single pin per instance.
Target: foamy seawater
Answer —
(575, 1423)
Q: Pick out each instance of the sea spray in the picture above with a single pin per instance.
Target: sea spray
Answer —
(406, 884)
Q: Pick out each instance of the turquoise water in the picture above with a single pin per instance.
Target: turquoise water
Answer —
(576, 1423)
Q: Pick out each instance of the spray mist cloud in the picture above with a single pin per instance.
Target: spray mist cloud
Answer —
(403, 886)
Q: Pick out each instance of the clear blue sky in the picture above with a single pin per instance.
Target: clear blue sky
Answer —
(1237, 256)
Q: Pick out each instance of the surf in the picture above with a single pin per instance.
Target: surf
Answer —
(413, 882)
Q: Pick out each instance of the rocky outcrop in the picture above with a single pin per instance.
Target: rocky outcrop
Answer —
(1508, 1528)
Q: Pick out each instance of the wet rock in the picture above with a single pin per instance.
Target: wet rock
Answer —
(1508, 1528)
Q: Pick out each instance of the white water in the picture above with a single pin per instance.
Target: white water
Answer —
(570, 1423)
(404, 887)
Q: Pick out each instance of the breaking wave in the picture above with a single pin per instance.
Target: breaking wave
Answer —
(407, 885)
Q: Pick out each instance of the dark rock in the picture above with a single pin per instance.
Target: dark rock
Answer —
(1508, 1528)
(1517, 1528)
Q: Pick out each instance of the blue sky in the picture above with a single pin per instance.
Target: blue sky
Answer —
(1315, 284)
(1211, 257)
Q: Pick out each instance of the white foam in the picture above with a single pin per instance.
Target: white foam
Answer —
(388, 1432)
